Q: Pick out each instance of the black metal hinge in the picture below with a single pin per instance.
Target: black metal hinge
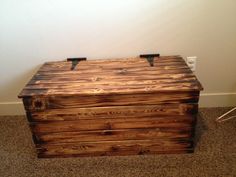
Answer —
(150, 58)
(75, 61)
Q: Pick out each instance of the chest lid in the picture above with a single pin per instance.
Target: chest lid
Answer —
(112, 76)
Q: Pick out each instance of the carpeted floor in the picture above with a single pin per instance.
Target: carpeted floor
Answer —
(215, 155)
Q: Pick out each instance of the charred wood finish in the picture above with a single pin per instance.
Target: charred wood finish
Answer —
(115, 112)
(125, 147)
(112, 107)
(61, 102)
(120, 76)
(110, 135)
(112, 124)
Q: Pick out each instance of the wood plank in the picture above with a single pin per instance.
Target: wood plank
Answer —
(180, 122)
(102, 90)
(114, 69)
(70, 114)
(110, 84)
(121, 72)
(109, 79)
(65, 66)
(37, 80)
(107, 63)
(75, 101)
(109, 135)
(129, 147)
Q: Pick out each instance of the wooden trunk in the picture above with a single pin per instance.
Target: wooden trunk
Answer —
(112, 107)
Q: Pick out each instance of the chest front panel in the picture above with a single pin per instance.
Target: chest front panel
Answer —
(112, 107)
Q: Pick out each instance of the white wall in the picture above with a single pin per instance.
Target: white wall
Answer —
(32, 32)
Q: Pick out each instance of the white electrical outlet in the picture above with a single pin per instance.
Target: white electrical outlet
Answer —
(191, 62)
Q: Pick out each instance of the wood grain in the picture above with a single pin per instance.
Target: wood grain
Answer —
(109, 135)
(128, 147)
(112, 107)
(180, 122)
(121, 76)
(70, 114)
(61, 102)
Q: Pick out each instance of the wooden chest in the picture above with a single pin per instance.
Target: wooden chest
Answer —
(112, 107)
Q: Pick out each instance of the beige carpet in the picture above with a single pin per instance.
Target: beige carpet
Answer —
(215, 155)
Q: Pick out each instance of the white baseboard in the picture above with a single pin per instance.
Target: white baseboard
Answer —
(206, 100)
(11, 108)
(217, 100)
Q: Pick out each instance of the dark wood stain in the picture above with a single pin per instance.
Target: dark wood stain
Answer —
(113, 124)
(125, 147)
(50, 115)
(104, 76)
(112, 107)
